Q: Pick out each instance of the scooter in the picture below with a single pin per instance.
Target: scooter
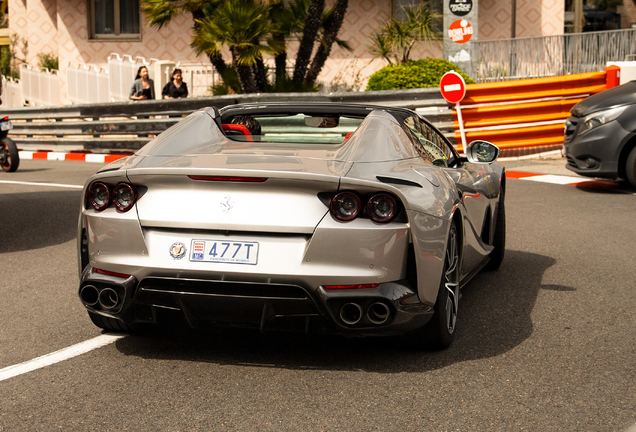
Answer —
(9, 157)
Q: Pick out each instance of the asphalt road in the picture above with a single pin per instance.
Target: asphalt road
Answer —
(546, 343)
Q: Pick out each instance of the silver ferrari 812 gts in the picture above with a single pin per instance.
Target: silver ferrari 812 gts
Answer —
(357, 220)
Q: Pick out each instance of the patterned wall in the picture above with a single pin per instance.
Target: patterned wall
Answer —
(61, 26)
(534, 18)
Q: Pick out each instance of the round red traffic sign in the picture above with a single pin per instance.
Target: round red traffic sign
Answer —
(453, 87)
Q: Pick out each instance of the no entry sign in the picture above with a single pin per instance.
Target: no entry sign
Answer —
(453, 87)
(453, 90)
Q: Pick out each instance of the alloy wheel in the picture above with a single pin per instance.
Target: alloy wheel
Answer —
(451, 281)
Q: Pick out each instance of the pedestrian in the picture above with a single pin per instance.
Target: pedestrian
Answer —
(175, 88)
(143, 87)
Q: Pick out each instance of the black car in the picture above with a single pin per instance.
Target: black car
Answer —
(600, 136)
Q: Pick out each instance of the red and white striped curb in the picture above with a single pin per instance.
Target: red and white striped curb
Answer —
(83, 157)
(563, 180)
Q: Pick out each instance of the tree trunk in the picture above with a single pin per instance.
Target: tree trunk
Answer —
(218, 62)
(312, 25)
(215, 59)
(331, 30)
(281, 60)
(245, 76)
(260, 74)
(281, 65)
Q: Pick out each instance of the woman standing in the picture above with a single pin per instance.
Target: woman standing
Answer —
(143, 87)
(176, 88)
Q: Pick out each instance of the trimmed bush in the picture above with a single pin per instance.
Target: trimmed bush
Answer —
(415, 74)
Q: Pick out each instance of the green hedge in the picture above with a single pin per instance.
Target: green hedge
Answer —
(414, 74)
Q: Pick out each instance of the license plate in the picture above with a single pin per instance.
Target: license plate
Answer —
(224, 251)
(4, 126)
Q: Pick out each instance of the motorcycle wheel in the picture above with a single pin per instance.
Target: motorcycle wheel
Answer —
(9, 158)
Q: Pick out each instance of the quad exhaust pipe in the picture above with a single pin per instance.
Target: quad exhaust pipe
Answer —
(89, 295)
(351, 313)
(378, 313)
(107, 298)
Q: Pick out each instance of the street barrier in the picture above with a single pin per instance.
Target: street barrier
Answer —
(527, 113)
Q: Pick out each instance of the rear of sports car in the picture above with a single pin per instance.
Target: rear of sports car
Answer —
(267, 240)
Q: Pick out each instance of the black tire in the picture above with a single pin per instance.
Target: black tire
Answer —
(440, 331)
(499, 242)
(630, 167)
(110, 324)
(9, 157)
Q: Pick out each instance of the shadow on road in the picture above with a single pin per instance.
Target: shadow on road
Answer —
(35, 220)
(607, 187)
(495, 317)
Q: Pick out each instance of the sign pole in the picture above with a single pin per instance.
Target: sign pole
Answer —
(461, 125)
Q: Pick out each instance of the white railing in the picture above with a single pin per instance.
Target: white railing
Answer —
(40, 87)
(199, 78)
(87, 84)
(544, 56)
(11, 93)
(122, 72)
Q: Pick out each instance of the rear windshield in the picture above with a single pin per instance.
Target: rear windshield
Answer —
(294, 128)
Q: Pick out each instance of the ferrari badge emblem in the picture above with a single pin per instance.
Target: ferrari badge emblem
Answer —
(177, 250)
(226, 204)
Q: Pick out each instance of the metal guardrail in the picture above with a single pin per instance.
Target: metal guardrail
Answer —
(129, 125)
(547, 56)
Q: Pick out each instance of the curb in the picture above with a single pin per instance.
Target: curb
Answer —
(564, 180)
(72, 156)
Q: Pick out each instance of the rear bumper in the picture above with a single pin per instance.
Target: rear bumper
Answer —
(203, 303)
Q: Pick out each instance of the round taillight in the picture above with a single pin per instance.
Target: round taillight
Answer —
(124, 197)
(382, 208)
(99, 196)
(345, 206)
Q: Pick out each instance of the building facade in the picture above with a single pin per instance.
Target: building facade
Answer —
(88, 31)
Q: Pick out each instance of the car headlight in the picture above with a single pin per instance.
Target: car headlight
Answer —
(600, 118)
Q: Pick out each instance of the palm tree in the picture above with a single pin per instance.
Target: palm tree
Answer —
(310, 33)
(242, 26)
(160, 12)
(289, 19)
(331, 27)
(397, 38)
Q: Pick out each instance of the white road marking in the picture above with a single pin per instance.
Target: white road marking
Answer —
(42, 184)
(58, 356)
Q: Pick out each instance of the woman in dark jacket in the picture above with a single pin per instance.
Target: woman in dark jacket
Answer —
(176, 88)
(143, 87)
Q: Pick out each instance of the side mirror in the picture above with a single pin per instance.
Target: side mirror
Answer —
(481, 152)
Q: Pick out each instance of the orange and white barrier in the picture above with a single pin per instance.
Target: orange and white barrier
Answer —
(527, 113)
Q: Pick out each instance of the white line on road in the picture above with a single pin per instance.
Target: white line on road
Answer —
(42, 184)
(58, 356)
